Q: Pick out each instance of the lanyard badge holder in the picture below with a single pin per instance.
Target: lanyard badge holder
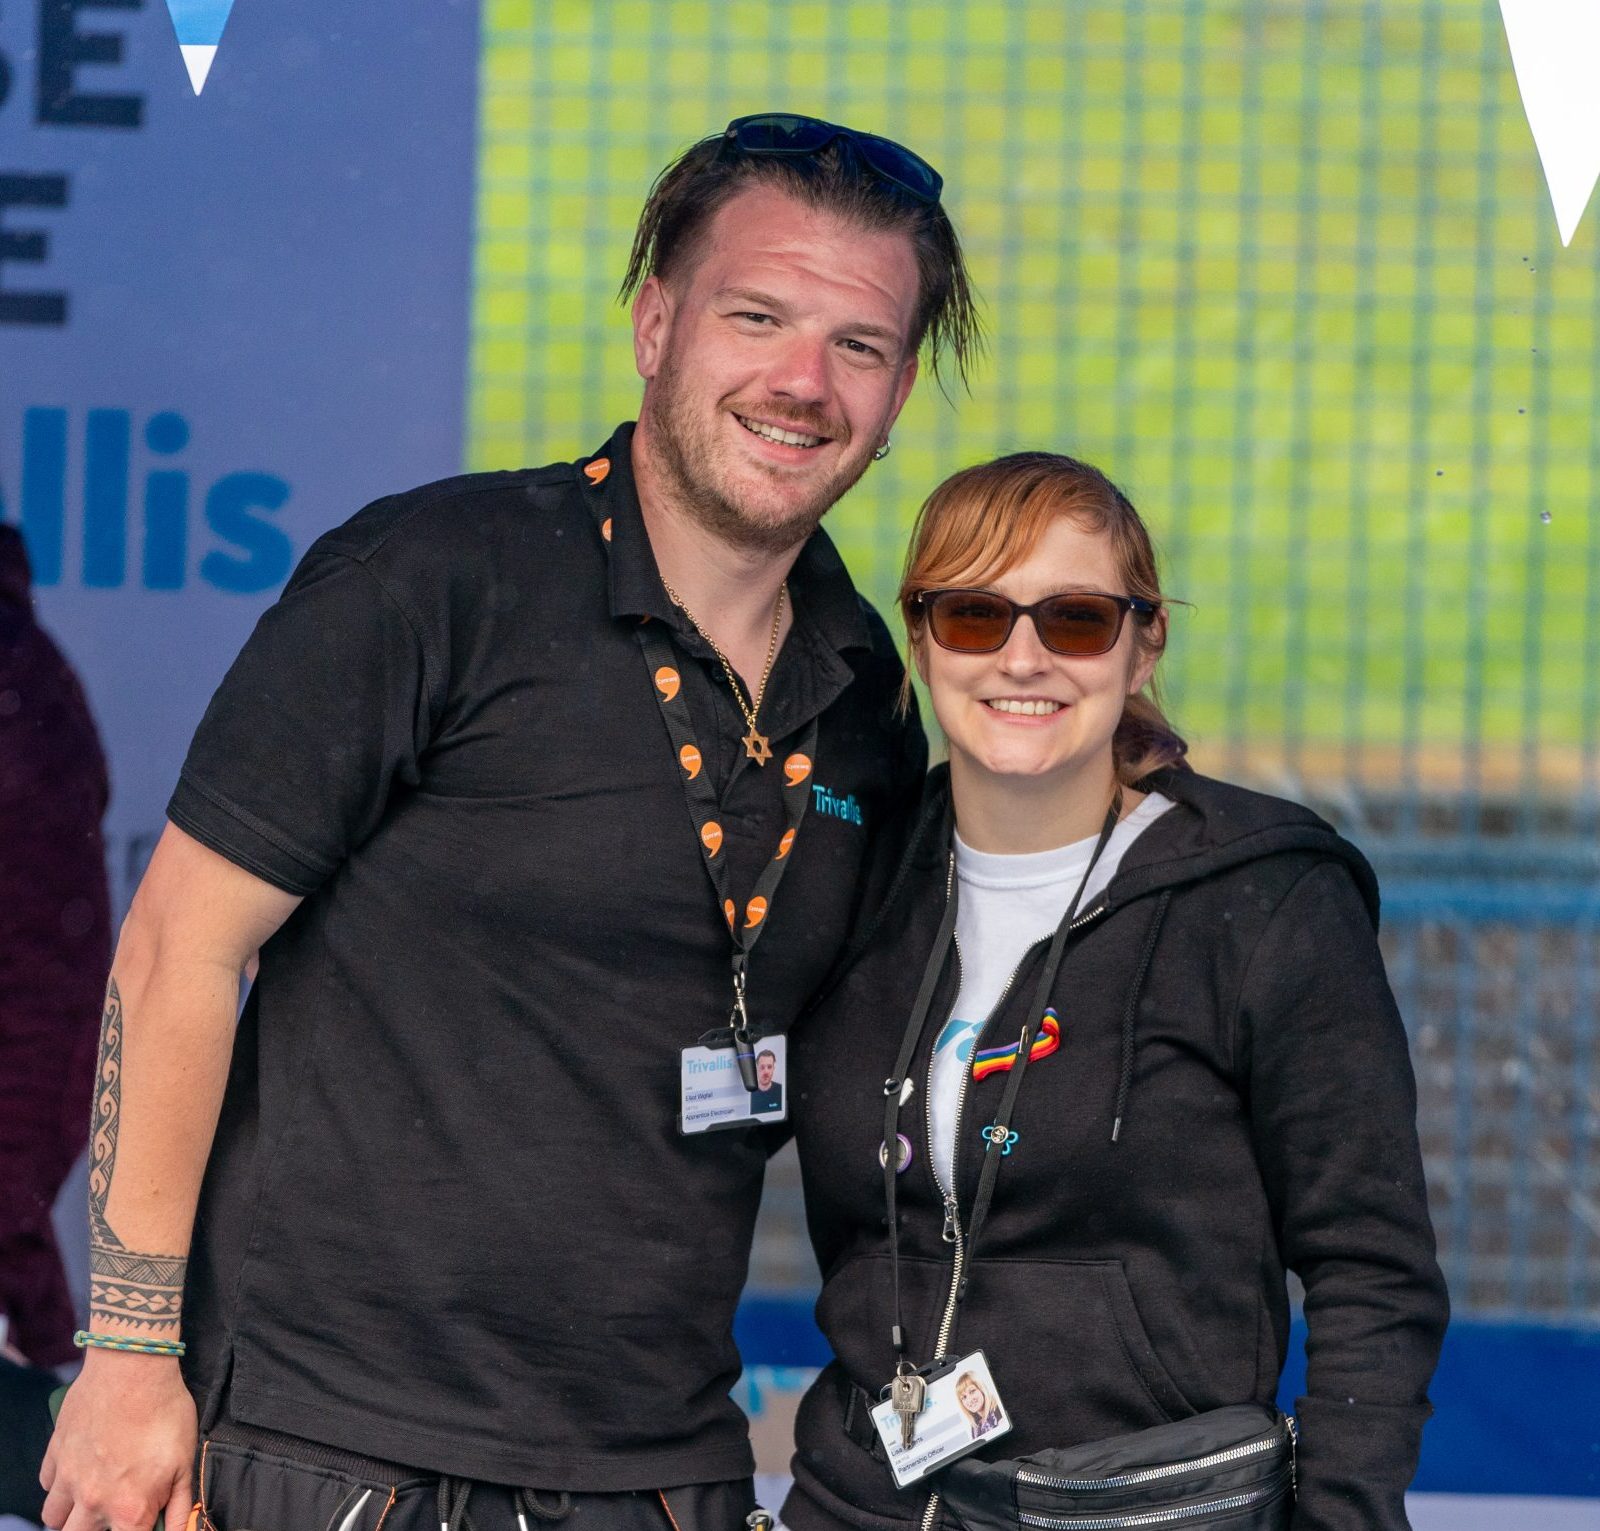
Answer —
(954, 1403)
(735, 1076)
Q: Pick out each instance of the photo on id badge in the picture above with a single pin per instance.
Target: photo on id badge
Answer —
(713, 1092)
(961, 1412)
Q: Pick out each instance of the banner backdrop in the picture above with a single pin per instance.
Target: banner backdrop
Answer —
(227, 321)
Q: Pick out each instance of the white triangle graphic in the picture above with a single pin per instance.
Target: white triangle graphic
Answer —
(197, 60)
(1555, 50)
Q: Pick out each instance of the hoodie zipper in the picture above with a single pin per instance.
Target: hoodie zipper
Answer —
(953, 1233)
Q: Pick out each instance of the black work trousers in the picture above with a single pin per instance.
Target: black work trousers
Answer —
(256, 1480)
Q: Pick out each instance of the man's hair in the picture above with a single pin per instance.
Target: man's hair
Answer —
(766, 1052)
(690, 192)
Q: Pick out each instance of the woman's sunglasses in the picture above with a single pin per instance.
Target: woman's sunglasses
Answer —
(1080, 623)
(783, 133)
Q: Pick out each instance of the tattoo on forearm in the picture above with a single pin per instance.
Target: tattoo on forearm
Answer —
(107, 1110)
(142, 1290)
(146, 1290)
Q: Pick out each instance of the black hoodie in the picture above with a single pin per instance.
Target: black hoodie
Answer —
(1226, 1000)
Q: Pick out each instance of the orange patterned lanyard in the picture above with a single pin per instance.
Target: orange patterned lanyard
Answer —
(662, 661)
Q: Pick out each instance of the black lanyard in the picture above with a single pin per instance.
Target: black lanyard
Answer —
(893, 1087)
(744, 926)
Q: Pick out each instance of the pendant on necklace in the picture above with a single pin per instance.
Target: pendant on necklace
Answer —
(757, 747)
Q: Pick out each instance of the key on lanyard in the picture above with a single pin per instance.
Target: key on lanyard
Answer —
(907, 1394)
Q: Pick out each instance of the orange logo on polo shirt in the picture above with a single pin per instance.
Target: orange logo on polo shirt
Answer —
(785, 845)
(605, 528)
(711, 836)
(667, 681)
(596, 471)
(727, 909)
(796, 768)
(755, 912)
(689, 759)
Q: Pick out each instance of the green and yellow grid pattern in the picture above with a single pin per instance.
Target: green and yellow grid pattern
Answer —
(1285, 268)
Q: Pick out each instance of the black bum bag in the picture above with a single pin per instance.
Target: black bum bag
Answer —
(1230, 1468)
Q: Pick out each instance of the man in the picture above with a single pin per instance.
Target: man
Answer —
(490, 790)
(768, 1093)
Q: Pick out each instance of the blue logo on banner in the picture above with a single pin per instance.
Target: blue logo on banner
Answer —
(199, 25)
(256, 554)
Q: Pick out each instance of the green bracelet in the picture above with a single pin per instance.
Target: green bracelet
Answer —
(84, 1340)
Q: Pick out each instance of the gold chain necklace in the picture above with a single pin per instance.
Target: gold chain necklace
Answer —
(757, 746)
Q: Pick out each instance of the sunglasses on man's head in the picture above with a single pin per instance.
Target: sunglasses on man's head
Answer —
(784, 133)
(1080, 622)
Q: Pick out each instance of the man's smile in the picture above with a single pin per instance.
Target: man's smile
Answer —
(780, 435)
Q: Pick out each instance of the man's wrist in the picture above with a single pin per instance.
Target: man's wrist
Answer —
(130, 1340)
(127, 1363)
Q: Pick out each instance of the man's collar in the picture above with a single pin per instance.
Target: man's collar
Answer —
(819, 584)
(823, 589)
(636, 588)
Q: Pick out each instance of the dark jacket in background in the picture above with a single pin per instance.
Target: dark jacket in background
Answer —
(55, 951)
(1227, 998)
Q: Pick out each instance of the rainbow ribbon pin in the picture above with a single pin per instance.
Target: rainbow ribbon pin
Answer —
(996, 1060)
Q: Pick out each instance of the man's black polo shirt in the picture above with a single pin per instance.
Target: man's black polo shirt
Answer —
(449, 1219)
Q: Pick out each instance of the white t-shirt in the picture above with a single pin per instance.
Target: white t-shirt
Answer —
(1007, 904)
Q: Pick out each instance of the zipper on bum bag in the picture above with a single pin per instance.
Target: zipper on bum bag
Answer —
(1263, 1443)
(1173, 1515)
(1170, 1515)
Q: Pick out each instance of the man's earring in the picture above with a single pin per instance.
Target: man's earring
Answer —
(882, 451)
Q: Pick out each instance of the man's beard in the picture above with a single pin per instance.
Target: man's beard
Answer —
(689, 450)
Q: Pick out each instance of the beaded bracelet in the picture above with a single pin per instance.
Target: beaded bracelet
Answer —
(84, 1340)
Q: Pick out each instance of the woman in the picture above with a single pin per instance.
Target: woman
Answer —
(1217, 1087)
(982, 1415)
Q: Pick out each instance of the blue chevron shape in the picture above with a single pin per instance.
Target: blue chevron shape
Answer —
(199, 23)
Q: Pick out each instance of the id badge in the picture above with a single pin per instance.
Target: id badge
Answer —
(712, 1095)
(961, 1412)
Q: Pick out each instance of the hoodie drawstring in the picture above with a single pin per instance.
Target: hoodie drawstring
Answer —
(1125, 1081)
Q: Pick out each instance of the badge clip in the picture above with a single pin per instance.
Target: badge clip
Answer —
(744, 1042)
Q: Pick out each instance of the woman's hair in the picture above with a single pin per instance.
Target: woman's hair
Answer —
(986, 519)
(961, 1382)
(690, 192)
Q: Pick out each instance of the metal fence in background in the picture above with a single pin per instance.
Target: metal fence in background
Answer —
(1288, 271)
(1498, 982)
